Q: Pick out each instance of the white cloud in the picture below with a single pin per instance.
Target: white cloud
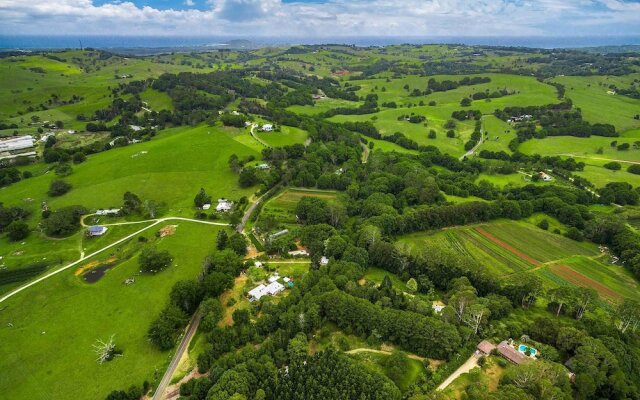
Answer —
(334, 18)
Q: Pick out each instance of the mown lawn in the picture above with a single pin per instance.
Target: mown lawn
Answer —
(286, 137)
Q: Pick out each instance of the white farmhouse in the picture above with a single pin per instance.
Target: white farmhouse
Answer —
(224, 205)
(267, 127)
(260, 291)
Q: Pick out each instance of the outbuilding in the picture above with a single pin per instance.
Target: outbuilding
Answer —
(96, 230)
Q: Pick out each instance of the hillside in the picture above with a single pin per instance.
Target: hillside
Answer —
(320, 221)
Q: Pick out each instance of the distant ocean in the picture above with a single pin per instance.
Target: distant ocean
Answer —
(110, 42)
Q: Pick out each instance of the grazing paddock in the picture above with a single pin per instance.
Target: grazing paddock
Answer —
(55, 323)
(590, 94)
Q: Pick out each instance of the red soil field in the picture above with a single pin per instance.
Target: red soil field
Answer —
(578, 279)
(507, 247)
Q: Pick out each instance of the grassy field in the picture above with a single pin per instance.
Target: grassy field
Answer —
(57, 252)
(489, 375)
(526, 91)
(153, 170)
(283, 206)
(590, 94)
(593, 147)
(376, 362)
(287, 136)
(56, 322)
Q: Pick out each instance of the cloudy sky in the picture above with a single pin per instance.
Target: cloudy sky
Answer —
(322, 18)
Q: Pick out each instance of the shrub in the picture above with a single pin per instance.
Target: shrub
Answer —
(544, 224)
(614, 166)
(17, 230)
(154, 260)
(63, 222)
(575, 234)
(58, 187)
(634, 169)
(63, 169)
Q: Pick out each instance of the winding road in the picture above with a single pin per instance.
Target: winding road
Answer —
(253, 135)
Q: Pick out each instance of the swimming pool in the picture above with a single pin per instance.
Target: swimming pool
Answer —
(523, 349)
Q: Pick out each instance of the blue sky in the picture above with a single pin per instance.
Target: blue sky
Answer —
(322, 18)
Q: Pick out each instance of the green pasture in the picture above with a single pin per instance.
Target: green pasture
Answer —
(324, 105)
(377, 275)
(594, 147)
(56, 322)
(526, 91)
(286, 137)
(589, 93)
(169, 169)
(283, 205)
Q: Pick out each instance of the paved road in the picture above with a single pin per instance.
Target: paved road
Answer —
(247, 215)
(184, 344)
(468, 365)
(117, 242)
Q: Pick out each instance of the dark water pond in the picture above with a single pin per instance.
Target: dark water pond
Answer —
(97, 273)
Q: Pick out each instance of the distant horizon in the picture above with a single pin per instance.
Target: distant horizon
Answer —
(316, 18)
(63, 41)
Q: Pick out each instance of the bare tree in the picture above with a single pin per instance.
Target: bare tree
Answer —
(475, 316)
(585, 296)
(104, 350)
(628, 315)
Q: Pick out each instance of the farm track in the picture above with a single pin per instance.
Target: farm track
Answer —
(599, 158)
(366, 350)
